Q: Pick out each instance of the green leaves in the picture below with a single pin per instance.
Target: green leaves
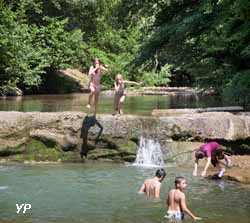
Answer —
(161, 78)
(238, 88)
(206, 40)
(27, 50)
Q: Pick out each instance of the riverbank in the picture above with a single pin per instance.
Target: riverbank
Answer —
(239, 172)
(173, 91)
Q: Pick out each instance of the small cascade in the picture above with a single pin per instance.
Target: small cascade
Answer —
(149, 154)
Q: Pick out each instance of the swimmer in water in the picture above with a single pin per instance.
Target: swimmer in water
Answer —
(152, 187)
(176, 202)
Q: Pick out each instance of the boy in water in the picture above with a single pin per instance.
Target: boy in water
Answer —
(152, 187)
(176, 202)
(213, 152)
(120, 94)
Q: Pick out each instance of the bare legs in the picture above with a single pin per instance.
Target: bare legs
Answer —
(118, 103)
(122, 99)
(97, 93)
(94, 93)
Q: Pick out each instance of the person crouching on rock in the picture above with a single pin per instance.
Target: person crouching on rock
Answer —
(213, 152)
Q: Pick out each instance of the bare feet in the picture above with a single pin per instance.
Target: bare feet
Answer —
(115, 113)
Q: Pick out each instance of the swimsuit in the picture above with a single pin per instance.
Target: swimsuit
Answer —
(121, 91)
(95, 80)
(97, 87)
(175, 215)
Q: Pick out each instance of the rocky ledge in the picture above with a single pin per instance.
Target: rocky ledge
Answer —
(76, 137)
(63, 136)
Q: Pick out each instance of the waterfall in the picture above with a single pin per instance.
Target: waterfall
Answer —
(149, 154)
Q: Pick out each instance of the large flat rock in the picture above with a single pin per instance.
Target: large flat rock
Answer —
(212, 125)
(76, 131)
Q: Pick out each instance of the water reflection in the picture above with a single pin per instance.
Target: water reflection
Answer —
(133, 105)
(88, 122)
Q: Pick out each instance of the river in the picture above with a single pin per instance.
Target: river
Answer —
(108, 193)
(141, 105)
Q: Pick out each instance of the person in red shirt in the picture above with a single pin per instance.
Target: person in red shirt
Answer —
(213, 152)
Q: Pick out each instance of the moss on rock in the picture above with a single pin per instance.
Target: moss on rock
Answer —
(103, 153)
(38, 151)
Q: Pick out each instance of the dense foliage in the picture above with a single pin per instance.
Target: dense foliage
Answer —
(204, 43)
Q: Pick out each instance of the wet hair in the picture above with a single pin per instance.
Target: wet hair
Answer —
(178, 180)
(199, 154)
(160, 173)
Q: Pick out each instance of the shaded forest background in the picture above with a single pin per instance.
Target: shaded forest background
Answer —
(199, 43)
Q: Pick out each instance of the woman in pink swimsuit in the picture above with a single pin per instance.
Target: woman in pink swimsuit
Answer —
(95, 82)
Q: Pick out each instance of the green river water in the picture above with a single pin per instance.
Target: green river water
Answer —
(107, 193)
(142, 105)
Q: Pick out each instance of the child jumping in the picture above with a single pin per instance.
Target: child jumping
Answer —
(120, 93)
(95, 72)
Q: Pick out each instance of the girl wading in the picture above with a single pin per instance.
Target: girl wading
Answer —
(95, 72)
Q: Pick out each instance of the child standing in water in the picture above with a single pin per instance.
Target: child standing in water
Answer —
(176, 202)
(95, 72)
(152, 187)
(120, 93)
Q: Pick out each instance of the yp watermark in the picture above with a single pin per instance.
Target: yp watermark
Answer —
(22, 208)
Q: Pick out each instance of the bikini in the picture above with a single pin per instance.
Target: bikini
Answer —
(95, 80)
(121, 91)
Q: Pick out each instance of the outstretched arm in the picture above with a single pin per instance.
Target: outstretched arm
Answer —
(142, 189)
(195, 167)
(203, 174)
(105, 68)
(185, 209)
(131, 82)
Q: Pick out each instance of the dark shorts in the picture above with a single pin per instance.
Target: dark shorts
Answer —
(214, 161)
(120, 94)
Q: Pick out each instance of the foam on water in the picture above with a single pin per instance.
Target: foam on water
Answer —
(3, 187)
